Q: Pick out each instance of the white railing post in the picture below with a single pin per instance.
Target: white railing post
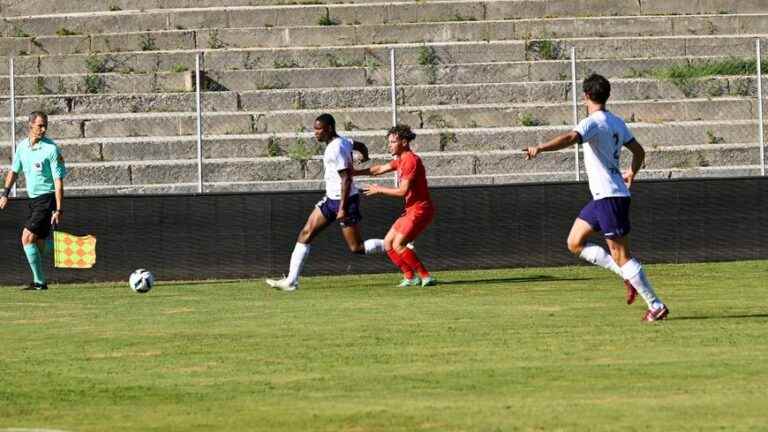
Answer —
(575, 109)
(393, 85)
(12, 79)
(198, 103)
(393, 97)
(760, 132)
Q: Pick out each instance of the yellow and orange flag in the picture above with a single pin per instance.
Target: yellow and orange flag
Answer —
(71, 251)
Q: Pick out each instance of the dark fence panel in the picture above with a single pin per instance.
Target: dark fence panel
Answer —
(252, 235)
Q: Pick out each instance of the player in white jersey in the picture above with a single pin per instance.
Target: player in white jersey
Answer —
(341, 203)
(603, 135)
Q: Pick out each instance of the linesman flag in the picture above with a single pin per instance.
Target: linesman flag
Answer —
(71, 251)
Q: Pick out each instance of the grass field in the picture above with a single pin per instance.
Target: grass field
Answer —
(503, 350)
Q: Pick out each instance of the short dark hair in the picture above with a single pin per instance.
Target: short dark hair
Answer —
(35, 114)
(597, 88)
(327, 120)
(403, 132)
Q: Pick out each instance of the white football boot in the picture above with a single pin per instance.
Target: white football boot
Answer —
(282, 284)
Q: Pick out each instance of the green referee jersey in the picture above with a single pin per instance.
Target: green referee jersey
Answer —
(41, 165)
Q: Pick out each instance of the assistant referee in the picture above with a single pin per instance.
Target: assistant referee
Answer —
(40, 159)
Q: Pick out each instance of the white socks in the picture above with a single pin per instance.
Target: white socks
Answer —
(633, 272)
(299, 255)
(598, 256)
(374, 246)
(301, 252)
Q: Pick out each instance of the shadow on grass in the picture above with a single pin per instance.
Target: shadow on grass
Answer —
(740, 316)
(537, 278)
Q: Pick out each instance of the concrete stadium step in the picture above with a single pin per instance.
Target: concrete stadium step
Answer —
(300, 146)
(352, 97)
(264, 79)
(448, 59)
(687, 158)
(532, 8)
(540, 43)
(353, 14)
(379, 119)
(267, 79)
(429, 32)
(532, 92)
(14, 8)
(508, 115)
(434, 181)
(104, 83)
(139, 124)
(503, 164)
(170, 82)
(370, 56)
(125, 103)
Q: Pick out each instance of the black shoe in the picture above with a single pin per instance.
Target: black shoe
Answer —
(34, 286)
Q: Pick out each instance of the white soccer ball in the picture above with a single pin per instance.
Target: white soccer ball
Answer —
(141, 281)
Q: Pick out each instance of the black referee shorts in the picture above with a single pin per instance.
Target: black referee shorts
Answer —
(40, 211)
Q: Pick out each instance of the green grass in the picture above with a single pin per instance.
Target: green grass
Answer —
(507, 350)
(728, 67)
(685, 76)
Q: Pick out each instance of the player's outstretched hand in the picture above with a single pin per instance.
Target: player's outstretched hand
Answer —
(629, 177)
(531, 152)
(371, 189)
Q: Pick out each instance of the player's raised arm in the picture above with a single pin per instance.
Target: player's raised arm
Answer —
(557, 143)
(638, 158)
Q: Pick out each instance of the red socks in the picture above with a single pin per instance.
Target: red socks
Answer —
(413, 262)
(398, 261)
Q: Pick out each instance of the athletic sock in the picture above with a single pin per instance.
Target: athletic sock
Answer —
(35, 262)
(47, 247)
(299, 255)
(413, 261)
(598, 256)
(634, 273)
(374, 246)
(398, 261)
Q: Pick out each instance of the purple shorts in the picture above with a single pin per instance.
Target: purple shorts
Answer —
(609, 215)
(330, 207)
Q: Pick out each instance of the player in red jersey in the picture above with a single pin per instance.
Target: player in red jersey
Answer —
(419, 210)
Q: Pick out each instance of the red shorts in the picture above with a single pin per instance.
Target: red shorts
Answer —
(414, 220)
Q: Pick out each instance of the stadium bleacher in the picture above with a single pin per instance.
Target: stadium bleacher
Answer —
(478, 79)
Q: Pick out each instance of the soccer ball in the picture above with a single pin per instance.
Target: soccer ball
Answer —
(141, 281)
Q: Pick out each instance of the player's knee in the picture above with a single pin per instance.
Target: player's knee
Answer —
(400, 247)
(27, 238)
(574, 247)
(305, 235)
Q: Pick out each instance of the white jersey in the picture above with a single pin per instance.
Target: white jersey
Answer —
(603, 135)
(337, 156)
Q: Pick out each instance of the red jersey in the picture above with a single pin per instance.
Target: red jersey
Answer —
(409, 167)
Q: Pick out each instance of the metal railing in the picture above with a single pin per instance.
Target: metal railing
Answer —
(575, 66)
